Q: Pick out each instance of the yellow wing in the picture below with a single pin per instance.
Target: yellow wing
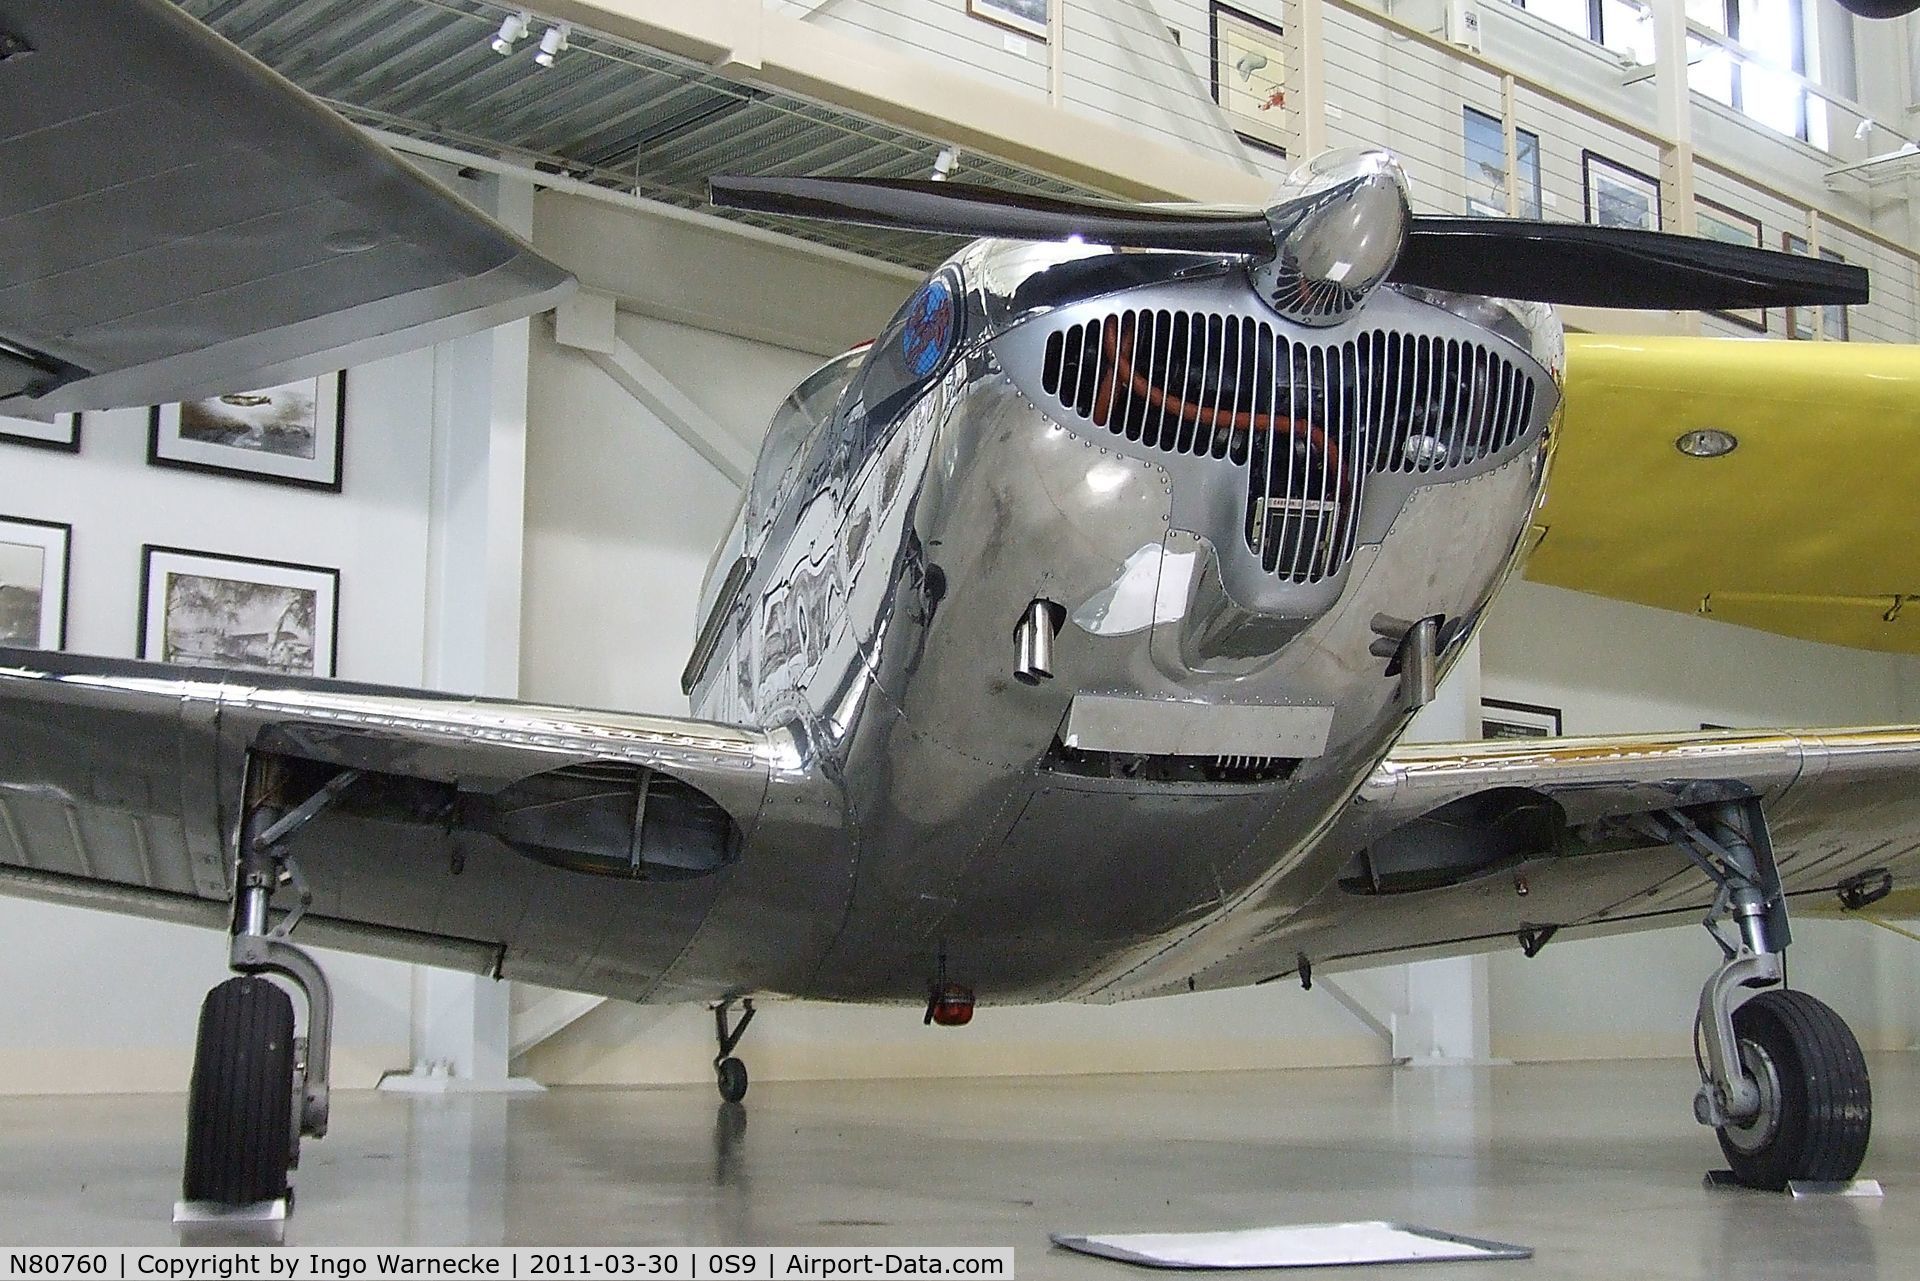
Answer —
(1807, 528)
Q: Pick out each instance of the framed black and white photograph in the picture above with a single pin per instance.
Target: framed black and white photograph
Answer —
(1028, 17)
(1501, 718)
(237, 612)
(1617, 196)
(1249, 76)
(1731, 227)
(61, 432)
(291, 434)
(1833, 317)
(36, 558)
(1484, 143)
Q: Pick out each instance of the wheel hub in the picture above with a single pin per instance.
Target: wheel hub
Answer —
(1757, 1132)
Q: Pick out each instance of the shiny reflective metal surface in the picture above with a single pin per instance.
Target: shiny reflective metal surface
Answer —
(1337, 231)
(1058, 684)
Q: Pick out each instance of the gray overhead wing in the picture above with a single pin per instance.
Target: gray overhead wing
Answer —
(1463, 847)
(573, 848)
(182, 222)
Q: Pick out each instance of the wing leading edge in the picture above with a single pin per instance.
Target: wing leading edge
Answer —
(182, 222)
(573, 848)
(1467, 847)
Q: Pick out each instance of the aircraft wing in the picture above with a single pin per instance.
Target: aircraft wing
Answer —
(181, 222)
(1804, 529)
(1467, 847)
(577, 849)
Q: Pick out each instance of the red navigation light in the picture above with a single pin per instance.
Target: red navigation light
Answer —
(950, 1005)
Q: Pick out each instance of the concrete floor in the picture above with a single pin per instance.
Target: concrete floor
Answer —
(1597, 1166)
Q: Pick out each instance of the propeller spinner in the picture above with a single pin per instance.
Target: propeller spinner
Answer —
(1341, 227)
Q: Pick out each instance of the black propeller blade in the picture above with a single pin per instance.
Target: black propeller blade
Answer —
(1579, 265)
(1568, 263)
(959, 209)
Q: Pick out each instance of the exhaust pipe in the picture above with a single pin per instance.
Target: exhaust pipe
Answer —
(1033, 641)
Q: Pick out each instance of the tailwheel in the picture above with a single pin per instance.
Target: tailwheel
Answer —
(731, 1076)
(729, 1073)
(1816, 1106)
(241, 1134)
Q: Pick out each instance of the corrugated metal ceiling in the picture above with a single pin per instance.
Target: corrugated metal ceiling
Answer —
(608, 112)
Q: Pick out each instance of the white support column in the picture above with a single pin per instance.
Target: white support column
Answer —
(1308, 104)
(1445, 1018)
(476, 526)
(1673, 115)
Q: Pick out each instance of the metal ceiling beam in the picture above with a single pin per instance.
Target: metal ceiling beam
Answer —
(742, 40)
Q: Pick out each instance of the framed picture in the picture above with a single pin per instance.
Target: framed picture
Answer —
(1028, 17)
(1731, 227)
(1249, 76)
(1618, 196)
(1799, 319)
(1500, 718)
(236, 612)
(1833, 317)
(62, 432)
(36, 557)
(291, 434)
(1485, 149)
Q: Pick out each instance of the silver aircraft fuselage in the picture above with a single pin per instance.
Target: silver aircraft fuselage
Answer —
(1235, 524)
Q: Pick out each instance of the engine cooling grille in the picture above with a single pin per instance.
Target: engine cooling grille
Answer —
(1307, 421)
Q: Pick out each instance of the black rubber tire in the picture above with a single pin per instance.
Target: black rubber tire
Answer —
(1825, 1108)
(731, 1075)
(240, 1125)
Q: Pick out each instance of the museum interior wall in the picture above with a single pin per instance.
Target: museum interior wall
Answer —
(621, 514)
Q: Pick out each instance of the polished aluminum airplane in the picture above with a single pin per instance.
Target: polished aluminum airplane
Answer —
(1059, 651)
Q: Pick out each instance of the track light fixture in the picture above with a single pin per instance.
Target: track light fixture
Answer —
(513, 29)
(552, 43)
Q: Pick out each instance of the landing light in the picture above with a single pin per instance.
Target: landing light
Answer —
(1707, 442)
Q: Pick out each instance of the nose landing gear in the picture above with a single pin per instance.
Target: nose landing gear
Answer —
(1783, 1082)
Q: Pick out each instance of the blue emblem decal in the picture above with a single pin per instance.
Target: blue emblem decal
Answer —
(929, 333)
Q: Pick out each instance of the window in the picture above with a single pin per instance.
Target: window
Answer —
(1775, 30)
(1622, 25)
(1486, 166)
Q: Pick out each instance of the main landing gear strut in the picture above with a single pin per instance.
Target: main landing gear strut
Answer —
(1783, 1082)
(256, 1088)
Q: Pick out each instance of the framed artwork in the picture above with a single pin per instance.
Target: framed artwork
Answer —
(1500, 718)
(291, 434)
(1833, 317)
(1485, 149)
(1731, 227)
(1028, 17)
(1249, 76)
(1799, 319)
(1618, 196)
(62, 433)
(36, 558)
(237, 612)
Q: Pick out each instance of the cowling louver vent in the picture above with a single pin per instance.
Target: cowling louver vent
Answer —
(1308, 421)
